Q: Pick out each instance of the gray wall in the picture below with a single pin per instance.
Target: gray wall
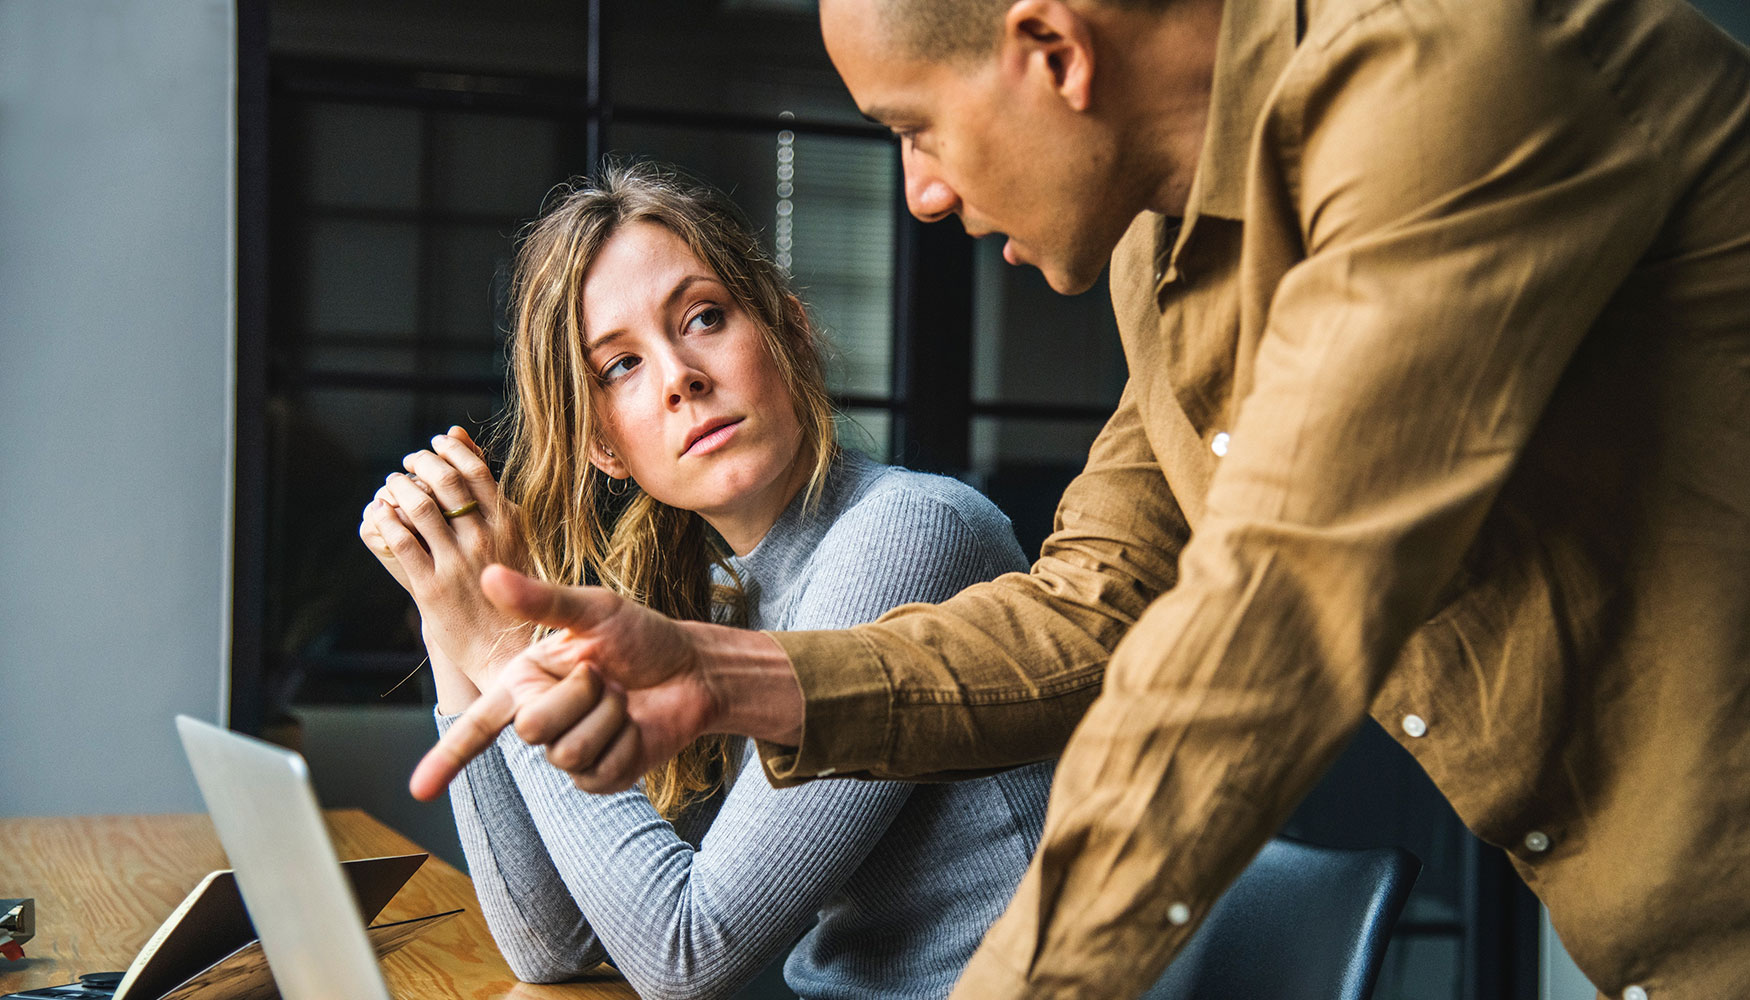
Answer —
(115, 337)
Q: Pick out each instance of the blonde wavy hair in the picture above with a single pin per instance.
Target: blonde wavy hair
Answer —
(580, 532)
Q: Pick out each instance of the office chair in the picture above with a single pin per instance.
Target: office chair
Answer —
(1300, 923)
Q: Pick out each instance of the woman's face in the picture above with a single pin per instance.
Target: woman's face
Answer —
(689, 403)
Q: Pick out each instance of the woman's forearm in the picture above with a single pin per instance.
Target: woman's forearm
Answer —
(455, 691)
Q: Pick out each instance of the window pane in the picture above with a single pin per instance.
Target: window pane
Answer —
(362, 277)
(331, 605)
(1032, 345)
(1426, 968)
(492, 164)
(1023, 465)
(546, 37)
(868, 431)
(834, 206)
(840, 217)
(739, 57)
(473, 358)
(358, 155)
(469, 287)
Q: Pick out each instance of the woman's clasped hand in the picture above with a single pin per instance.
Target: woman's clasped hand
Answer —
(435, 526)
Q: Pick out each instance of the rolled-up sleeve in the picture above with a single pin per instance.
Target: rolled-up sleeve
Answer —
(1001, 673)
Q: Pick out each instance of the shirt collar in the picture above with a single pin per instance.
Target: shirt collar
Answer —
(1256, 41)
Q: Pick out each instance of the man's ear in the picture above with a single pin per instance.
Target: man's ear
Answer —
(1050, 38)
(610, 464)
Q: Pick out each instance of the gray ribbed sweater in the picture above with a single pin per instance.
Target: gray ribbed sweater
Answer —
(901, 880)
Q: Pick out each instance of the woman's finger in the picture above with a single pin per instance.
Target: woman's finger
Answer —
(461, 434)
(388, 498)
(398, 542)
(369, 534)
(423, 515)
(445, 484)
(469, 464)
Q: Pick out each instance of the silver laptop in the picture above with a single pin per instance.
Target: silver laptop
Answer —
(311, 930)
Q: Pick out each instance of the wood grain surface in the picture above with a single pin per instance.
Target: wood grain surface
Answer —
(103, 884)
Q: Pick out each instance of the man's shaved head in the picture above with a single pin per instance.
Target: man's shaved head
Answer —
(950, 30)
(944, 30)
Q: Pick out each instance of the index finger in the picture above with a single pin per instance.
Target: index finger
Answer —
(468, 737)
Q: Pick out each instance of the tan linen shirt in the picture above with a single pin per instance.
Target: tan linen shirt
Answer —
(1439, 409)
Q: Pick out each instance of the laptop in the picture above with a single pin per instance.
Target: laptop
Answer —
(309, 922)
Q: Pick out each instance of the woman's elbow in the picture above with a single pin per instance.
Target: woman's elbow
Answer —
(548, 968)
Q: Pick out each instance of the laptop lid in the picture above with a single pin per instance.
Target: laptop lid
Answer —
(260, 798)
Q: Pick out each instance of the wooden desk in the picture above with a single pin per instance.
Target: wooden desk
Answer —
(103, 884)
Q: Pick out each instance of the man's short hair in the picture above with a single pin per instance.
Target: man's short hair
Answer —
(948, 30)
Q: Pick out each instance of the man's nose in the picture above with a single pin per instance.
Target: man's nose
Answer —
(927, 195)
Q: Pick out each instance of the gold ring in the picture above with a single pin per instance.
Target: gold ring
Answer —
(467, 508)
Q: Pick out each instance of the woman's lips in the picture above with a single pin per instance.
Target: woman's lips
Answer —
(713, 439)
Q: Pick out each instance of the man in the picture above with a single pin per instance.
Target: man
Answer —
(1438, 323)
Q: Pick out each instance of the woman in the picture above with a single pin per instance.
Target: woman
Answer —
(672, 439)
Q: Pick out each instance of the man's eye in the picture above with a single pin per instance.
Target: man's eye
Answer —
(620, 367)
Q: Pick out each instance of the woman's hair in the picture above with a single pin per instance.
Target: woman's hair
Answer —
(580, 531)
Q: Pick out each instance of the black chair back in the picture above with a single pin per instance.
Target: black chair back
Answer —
(1300, 923)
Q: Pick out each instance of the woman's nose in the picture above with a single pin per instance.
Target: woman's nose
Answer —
(687, 383)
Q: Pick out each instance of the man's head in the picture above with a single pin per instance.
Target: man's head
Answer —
(1052, 121)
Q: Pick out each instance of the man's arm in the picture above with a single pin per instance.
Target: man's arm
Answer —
(1000, 673)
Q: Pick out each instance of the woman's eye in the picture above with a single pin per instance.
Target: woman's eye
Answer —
(621, 366)
(706, 319)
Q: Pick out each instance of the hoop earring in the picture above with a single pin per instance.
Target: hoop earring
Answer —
(625, 486)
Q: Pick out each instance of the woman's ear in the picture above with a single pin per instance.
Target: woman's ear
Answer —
(603, 458)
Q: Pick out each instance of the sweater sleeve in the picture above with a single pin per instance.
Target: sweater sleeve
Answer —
(551, 862)
(685, 922)
(533, 918)
(905, 544)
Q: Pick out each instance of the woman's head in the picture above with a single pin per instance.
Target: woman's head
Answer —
(663, 370)
(645, 312)
(689, 399)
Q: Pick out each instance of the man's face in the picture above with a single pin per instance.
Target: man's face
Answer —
(993, 144)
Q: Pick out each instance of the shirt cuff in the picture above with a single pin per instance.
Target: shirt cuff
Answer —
(847, 709)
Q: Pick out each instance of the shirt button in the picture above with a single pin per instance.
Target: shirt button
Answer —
(1634, 993)
(1218, 444)
(1416, 726)
(1180, 915)
(1537, 841)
